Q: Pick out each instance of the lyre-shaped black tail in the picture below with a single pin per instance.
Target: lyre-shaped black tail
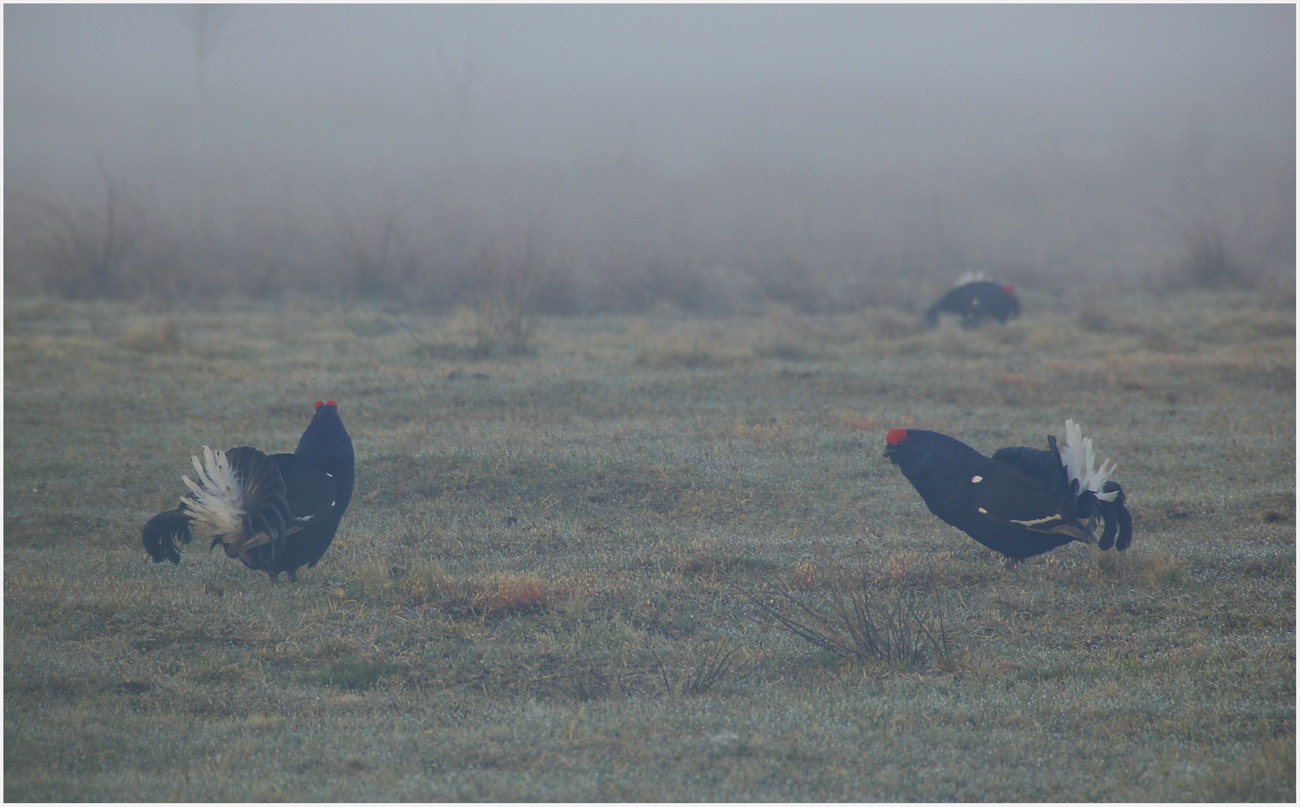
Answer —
(239, 501)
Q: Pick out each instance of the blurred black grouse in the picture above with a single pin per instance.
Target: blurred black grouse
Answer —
(1023, 501)
(274, 512)
(974, 300)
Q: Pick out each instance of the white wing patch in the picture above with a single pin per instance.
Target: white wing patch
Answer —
(1079, 460)
(1034, 522)
(215, 504)
(976, 479)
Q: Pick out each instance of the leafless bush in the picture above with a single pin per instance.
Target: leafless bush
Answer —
(516, 277)
(79, 251)
(786, 279)
(375, 252)
(618, 233)
(1209, 262)
(1241, 237)
(635, 281)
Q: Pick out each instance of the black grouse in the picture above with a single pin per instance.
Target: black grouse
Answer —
(274, 512)
(974, 300)
(1021, 502)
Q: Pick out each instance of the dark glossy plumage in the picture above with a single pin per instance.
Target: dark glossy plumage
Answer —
(975, 301)
(1021, 501)
(276, 512)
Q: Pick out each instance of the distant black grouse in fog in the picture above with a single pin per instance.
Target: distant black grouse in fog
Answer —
(274, 512)
(974, 300)
(1023, 501)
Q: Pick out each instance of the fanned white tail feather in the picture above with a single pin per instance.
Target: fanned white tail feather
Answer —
(970, 277)
(215, 503)
(1080, 463)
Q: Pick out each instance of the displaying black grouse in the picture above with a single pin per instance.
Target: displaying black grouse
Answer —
(974, 300)
(274, 512)
(1021, 502)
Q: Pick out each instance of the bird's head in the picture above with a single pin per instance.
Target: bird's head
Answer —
(892, 441)
(325, 435)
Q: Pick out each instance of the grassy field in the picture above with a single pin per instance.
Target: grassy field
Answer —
(550, 582)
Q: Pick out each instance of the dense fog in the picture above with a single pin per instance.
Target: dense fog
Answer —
(619, 157)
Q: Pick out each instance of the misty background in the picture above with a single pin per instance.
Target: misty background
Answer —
(571, 159)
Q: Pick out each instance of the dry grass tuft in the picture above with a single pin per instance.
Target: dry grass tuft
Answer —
(508, 594)
(165, 337)
(356, 672)
(1159, 568)
(385, 581)
(707, 559)
(838, 610)
(1109, 564)
(858, 422)
(712, 665)
(693, 346)
(425, 582)
(784, 335)
(887, 324)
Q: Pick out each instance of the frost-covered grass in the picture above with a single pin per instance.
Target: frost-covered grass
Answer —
(539, 590)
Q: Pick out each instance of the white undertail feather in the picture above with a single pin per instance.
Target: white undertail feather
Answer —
(1080, 463)
(970, 277)
(216, 503)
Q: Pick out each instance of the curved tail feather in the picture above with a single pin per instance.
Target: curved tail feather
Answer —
(1107, 539)
(1119, 524)
(162, 532)
(1118, 508)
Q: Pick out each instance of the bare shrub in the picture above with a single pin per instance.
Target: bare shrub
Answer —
(636, 279)
(81, 251)
(507, 302)
(1208, 262)
(516, 278)
(789, 280)
(376, 255)
(1228, 248)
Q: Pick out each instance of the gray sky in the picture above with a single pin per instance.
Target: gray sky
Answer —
(621, 69)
